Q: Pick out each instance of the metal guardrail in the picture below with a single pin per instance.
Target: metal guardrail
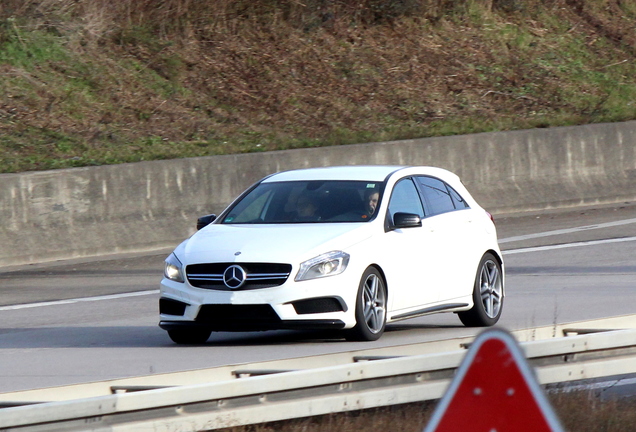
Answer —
(262, 395)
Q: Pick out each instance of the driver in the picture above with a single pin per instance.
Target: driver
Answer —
(371, 201)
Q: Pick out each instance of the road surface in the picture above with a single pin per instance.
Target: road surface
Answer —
(75, 322)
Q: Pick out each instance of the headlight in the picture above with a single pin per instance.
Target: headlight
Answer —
(172, 269)
(328, 264)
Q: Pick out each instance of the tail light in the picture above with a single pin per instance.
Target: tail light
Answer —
(491, 217)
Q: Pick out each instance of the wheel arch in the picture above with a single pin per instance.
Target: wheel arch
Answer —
(386, 283)
(496, 254)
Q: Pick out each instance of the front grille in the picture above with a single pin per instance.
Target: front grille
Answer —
(259, 275)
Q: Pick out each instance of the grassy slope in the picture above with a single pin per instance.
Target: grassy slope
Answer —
(99, 82)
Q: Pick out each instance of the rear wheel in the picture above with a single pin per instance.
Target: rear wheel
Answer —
(487, 294)
(189, 336)
(370, 307)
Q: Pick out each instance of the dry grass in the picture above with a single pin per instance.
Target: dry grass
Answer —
(96, 82)
(584, 412)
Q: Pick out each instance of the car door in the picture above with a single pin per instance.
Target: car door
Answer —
(411, 262)
(449, 220)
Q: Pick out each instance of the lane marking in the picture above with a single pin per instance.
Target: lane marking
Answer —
(78, 300)
(568, 230)
(568, 245)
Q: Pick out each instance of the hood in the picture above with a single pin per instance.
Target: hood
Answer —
(288, 243)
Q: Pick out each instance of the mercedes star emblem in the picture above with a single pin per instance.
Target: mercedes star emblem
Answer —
(234, 276)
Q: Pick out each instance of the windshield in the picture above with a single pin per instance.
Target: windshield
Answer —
(307, 202)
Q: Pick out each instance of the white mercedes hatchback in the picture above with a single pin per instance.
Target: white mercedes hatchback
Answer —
(347, 248)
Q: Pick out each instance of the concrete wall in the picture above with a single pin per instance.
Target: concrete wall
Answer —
(150, 205)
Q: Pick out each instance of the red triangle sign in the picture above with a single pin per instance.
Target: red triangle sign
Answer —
(494, 390)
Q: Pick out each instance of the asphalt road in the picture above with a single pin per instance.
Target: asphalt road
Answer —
(73, 322)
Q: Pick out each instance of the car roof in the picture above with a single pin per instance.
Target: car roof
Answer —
(377, 173)
(366, 173)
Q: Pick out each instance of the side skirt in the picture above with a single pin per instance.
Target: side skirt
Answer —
(428, 311)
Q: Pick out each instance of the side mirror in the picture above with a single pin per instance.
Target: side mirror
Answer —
(204, 221)
(406, 220)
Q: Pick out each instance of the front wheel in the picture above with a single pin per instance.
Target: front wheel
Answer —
(189, 336)
(370, 307)
(487, 294)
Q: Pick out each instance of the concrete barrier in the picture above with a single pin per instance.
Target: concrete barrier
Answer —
(145, 206)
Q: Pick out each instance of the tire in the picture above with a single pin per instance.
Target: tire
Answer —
(370, 308)
(487, 294)
(189, 336)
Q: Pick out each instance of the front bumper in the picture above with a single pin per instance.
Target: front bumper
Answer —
(325, 303)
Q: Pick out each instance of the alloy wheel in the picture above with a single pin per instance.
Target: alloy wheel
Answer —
(374, 303)
(490, 288)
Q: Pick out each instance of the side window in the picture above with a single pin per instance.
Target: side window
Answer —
(405, 199)
(437, 195)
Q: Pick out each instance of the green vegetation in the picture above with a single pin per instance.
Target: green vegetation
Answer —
(98, 82)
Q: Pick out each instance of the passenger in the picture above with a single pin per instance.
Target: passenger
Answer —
(306, 208)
